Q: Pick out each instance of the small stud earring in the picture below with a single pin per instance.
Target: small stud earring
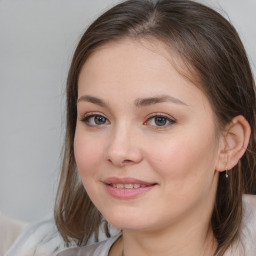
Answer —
(226, 169)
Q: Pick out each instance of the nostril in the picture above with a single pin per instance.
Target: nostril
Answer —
(127, 161)
(121, 163)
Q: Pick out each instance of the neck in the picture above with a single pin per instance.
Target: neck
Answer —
(191, 243)
(192, 240)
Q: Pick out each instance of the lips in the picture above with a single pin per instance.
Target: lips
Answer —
(126, 188)
(128, 180)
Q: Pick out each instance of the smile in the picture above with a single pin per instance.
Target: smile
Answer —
(127, 186)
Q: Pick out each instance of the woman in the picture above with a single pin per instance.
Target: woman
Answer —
(160, 139)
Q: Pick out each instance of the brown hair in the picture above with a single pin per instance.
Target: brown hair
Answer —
(211, 46)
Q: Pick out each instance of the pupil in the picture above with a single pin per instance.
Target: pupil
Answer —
(100, 120)
(160, 121)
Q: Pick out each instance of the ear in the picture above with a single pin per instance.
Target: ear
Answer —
(233, 143)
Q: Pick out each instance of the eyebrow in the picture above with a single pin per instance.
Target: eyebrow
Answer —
(93, 100)
(158, 99)
(141, 102)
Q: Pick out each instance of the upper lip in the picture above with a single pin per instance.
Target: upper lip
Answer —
(126, 180)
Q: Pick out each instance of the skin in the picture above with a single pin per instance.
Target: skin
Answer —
(180, 157)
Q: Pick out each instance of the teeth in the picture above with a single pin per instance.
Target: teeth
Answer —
(119, 185)
(136, 185)
(128, 186)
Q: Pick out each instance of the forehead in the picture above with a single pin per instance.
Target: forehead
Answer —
(156, 47)
(136, 60)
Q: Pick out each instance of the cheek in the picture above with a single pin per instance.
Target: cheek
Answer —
(87, 152)
(182, 159)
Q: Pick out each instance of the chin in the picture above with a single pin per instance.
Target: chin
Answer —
(125, 221)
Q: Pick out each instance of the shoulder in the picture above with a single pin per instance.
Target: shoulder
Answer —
(40, 238)
(10, 229)
(249, 216)
(98, 249)
(248, 228)
(246, 244)
(249, 202)
(248, 231)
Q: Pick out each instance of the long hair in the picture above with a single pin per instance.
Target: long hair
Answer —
(212, 50)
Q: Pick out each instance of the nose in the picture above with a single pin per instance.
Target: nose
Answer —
(123, 148)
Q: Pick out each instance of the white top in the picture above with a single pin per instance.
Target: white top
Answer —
(99, 249)
(10, 229)
(43, 240)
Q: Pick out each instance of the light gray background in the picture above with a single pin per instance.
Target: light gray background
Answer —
(37, 39)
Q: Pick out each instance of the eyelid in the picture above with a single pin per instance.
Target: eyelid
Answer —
(169, 118)
(91, 114)
(161, 114)
(88, 115)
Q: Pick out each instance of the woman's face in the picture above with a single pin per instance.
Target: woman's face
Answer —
(146, 143)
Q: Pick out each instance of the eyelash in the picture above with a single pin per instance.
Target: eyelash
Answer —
(168, 121)
(87, 117)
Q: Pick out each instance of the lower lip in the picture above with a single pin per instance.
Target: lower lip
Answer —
(124, 193)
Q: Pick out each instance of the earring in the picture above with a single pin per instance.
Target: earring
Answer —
(226, 175)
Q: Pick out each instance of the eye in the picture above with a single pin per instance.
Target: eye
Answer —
(160, 121)
(95, 120)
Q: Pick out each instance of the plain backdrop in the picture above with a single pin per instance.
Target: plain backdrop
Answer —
(37, 40)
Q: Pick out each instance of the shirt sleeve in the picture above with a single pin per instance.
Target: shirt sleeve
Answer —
(38, 239)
